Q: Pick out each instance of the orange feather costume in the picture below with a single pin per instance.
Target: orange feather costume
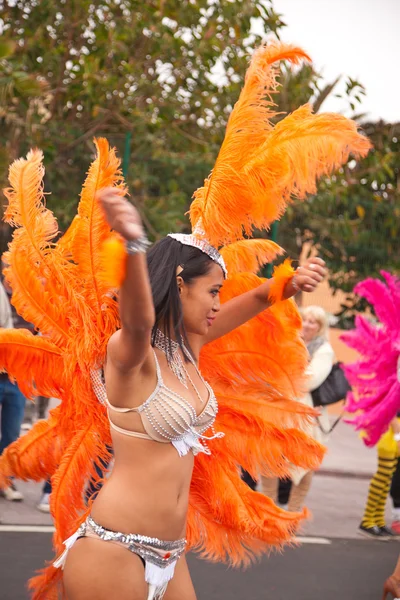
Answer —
(68, 291)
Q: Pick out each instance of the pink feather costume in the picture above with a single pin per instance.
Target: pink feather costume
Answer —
(375, 378)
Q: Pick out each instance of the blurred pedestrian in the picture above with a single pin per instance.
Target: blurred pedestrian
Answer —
(43, 405)
(247, 478)
(373, 522)
(19, 322)
(12, 401)
(44, 503)
(395, 495)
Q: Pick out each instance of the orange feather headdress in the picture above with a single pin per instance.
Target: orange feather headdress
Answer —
(257, 371)
(261, 167)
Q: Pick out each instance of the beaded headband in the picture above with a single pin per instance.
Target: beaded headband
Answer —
(203, 245)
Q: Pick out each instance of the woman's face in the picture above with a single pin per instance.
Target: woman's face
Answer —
(200, 300)
(311, 328)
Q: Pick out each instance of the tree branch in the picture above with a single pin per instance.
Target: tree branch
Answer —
(190, 137)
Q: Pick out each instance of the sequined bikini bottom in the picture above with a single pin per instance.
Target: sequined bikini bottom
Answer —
(159, 557)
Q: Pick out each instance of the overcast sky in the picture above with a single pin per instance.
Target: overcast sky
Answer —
(360, 38)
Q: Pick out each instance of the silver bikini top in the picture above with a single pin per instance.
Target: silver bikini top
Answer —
(167, 416)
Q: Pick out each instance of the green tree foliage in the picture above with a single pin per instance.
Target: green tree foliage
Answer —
(74, 69)
(354, 220)
(169, 73)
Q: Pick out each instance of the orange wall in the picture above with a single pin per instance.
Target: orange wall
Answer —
(342, 351)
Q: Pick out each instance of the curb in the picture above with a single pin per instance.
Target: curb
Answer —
(344, 474)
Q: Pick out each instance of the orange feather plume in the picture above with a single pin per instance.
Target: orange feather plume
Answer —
(281, 276)
(34, 361)
(249, 185)
(257, 372)
(227, 521)
(277, 448)
(47, 584)
(76, 467)
(84, 242)
(90, 229)
(249, 255)
(37, 272)
(26, 208)
(300, 149)
(75, 319)
(36, 454)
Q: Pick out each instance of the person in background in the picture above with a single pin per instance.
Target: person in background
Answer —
(12, 401)
(392, 583)
(284, 489)
(44, 404)
(44, 503)
(247, 478)
(315, 335)
(19, 322)
(395, 495)
(373, 522)
(28, 412)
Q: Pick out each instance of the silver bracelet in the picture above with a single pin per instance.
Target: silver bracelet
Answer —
(138, 246)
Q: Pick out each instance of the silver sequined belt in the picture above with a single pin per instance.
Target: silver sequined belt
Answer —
(151, 549)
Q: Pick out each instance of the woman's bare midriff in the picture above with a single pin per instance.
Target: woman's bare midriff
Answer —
(147, 491)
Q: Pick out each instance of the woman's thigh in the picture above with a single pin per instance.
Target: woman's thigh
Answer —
(181, 586)
(99, 570)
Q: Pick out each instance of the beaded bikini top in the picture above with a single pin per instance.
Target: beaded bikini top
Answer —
(168, 417)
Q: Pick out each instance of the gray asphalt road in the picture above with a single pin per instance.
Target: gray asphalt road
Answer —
(343, 570)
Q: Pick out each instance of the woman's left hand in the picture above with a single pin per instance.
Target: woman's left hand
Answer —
(310, 274)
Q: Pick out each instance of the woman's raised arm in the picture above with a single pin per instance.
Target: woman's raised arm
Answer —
(237, 311)
(129, 346)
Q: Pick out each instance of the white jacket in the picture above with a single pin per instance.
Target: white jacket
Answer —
(318, 370)
(6, 321)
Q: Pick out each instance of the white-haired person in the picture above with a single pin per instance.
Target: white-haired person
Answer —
(322, 358)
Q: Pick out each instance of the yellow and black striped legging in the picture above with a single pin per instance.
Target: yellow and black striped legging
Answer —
(379, 490)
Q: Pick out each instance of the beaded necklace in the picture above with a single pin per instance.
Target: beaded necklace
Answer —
(171, 349)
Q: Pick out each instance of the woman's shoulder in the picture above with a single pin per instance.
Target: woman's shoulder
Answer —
(325, 348)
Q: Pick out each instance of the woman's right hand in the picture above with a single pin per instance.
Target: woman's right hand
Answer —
(121, 215)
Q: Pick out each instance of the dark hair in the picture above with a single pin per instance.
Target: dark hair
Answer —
(163, 260)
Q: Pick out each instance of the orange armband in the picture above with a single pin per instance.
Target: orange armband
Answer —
(281, 276)
(113, 261)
